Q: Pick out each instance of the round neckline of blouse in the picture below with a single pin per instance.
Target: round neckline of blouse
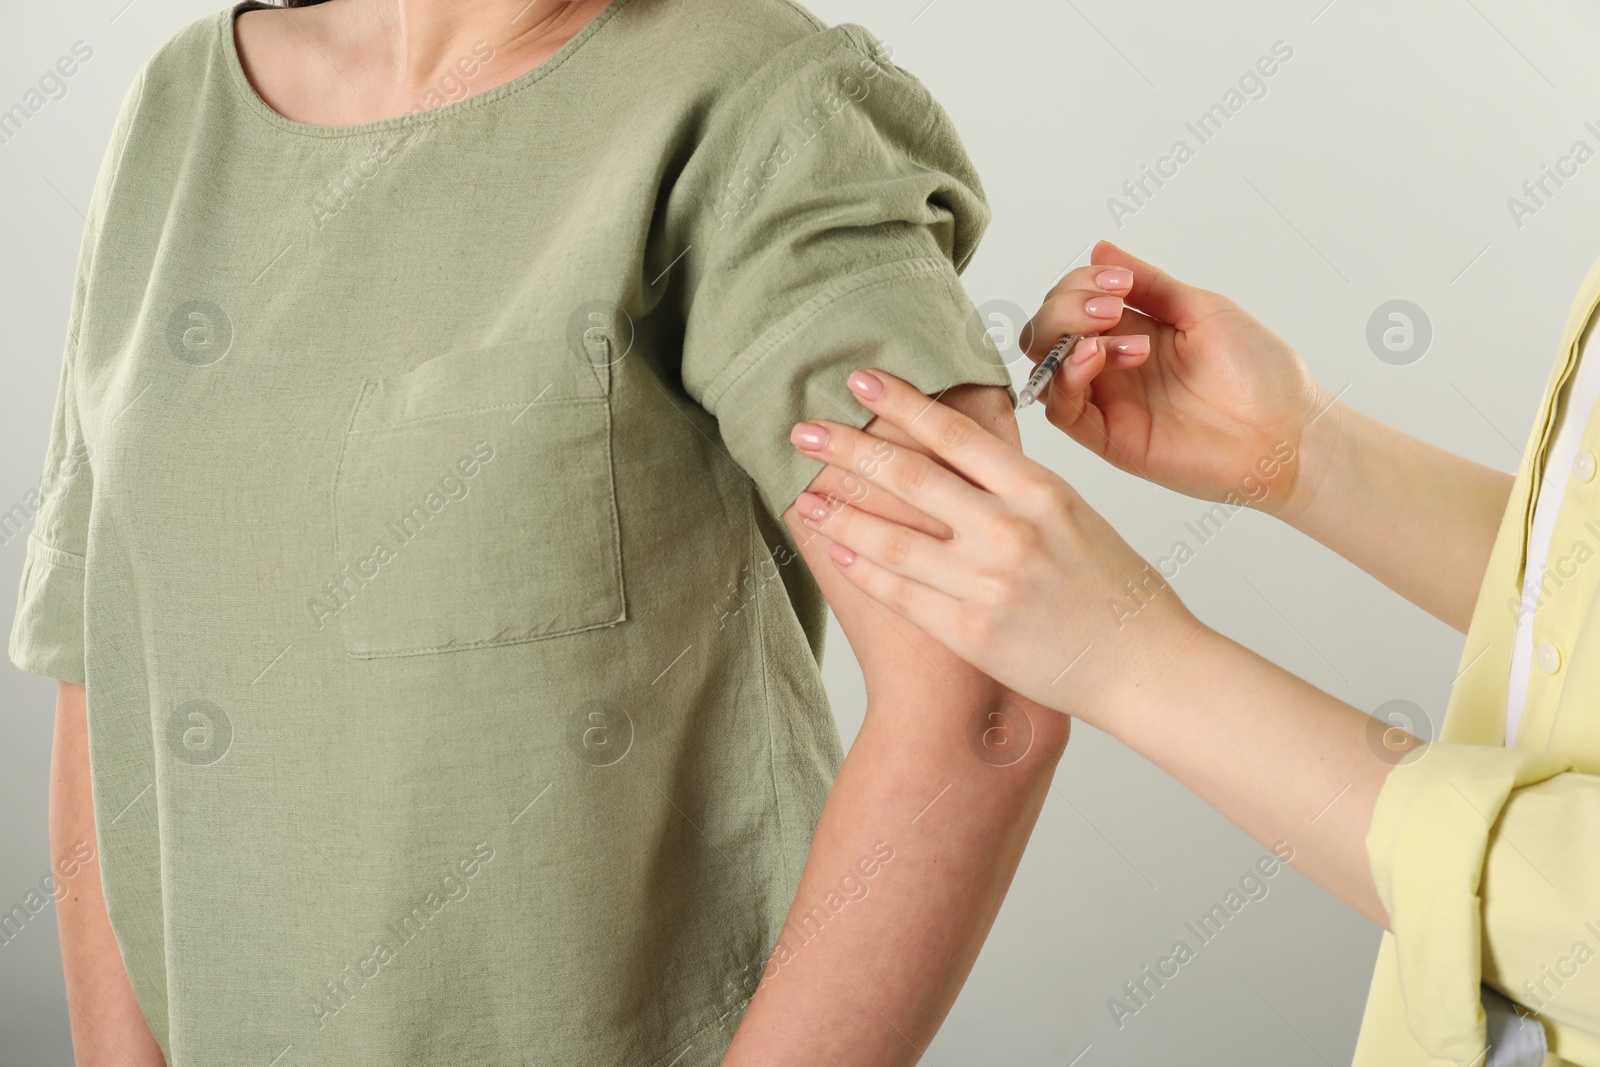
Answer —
(254, 101)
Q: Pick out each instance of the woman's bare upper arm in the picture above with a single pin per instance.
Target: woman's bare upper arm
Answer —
(886, 645)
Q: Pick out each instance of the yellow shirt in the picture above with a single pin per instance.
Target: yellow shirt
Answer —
(1487, 857)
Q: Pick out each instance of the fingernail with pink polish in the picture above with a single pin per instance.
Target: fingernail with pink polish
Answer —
(811, 506)
(1115, 281)
(1085, 349)
(809, 436)
(841, 555)
(1136, 344)
(867, 386)
(1104, 307)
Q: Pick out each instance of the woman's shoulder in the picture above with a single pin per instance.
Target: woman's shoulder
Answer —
(191, 47)
(176, 69)
(169, 83)
(769, 37)
(752, 24)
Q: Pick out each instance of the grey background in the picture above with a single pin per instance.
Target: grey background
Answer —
(1376, 167)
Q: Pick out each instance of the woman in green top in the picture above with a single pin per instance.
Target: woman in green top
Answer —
(413, 553)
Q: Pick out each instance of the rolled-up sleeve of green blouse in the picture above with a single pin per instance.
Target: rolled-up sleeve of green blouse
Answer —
(47, 633)
(48, 629)
(826, 215)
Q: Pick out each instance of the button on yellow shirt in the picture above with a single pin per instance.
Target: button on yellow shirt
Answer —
(1487, 857)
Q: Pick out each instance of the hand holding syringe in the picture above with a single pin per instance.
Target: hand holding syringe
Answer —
(1086, 302)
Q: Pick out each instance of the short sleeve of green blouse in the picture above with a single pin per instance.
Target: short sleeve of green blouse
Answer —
(47, 632)
(826, 215)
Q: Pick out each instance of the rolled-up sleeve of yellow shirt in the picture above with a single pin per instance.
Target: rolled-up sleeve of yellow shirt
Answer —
(1487, 858)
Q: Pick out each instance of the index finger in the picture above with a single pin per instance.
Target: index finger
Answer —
(964, 445)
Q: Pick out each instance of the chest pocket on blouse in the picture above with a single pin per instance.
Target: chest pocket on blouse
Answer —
(474, 506)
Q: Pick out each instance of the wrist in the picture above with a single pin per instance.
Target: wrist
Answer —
(1321, 458)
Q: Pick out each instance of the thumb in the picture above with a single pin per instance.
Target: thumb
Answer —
(1155, 292)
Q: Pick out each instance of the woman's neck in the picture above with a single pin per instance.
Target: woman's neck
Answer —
(347, 62)
(418, 41)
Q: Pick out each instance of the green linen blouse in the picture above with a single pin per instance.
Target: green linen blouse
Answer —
(410, 514)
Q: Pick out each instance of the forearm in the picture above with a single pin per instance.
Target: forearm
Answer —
(1417, 518)
(1283, 760)
(108, 1027)
(869, 980)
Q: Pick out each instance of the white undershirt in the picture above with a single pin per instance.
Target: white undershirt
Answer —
(1582, 393)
